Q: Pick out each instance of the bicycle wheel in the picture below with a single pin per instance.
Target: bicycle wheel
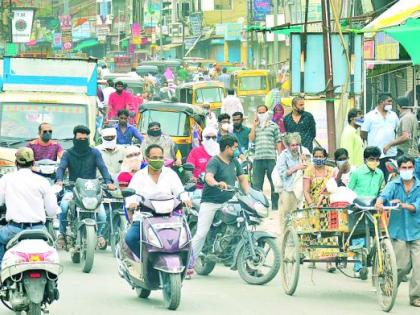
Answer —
(387, 276)
(290, 265)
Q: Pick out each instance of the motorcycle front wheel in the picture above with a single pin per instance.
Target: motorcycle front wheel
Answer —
(34, 309)
(87, 248)
(171, 283)
(263, 267)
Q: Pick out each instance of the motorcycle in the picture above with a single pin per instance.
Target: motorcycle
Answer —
(234, 241)
(29, 273)
(81, 236)
(164, 249)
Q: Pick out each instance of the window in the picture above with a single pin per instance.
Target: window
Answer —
(209, 95)
(172, 123)
(253, 83)
(22, 120)
(223, 4)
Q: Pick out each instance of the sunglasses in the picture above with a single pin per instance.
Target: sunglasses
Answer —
(47, 131)
(132, 155)
(210, 137)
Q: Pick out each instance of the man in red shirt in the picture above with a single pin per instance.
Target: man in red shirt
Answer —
(43, 146)
(118, 100)
(201, 155)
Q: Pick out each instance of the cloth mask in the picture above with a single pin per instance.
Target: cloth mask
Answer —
(154, 133)
(211, 147)
(341, 163)
(359, 121)
(388, 108)
(406, 174)
(236, 153)
(81, 146)
(156, 164)
(262, 118)
(109, 144)
(46, 137)
(318, 162)
(373, 165)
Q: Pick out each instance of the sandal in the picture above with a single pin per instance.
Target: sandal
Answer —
(102, 243)
(61, 241)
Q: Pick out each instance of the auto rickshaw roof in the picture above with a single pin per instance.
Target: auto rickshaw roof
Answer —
(201, 84)
(252, 72)
(172, 107)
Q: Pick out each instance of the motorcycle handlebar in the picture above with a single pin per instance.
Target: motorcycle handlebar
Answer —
(369, 208)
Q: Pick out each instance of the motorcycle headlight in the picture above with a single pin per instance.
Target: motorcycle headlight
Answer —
(90, 203)
(153, 239)
(261, 210)
(183, 237)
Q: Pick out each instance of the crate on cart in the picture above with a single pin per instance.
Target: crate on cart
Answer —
(313, 220)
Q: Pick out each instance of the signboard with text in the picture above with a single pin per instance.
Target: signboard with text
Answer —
(260, 8)
(22, 25)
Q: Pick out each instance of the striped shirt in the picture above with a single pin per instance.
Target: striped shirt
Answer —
(266, 140)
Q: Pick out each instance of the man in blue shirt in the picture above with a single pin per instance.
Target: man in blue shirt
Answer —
(404, 224)
(125, 131)
(240, 131)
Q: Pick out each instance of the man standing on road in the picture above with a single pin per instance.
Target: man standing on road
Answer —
(231, 104)
(350, 138)
(125, 131)
(28, 198)
(407, 130)
(224, 78)
(379, 128)
(302, 122)
(44, 147)
(404, 224)
(118, 100)
(266, 135)
(222, 171)
(240, 131)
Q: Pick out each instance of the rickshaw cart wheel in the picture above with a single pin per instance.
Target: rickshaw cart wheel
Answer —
(290, 267)
(387, 278)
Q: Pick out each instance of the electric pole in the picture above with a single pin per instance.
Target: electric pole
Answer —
(329, 102)
(276, 38)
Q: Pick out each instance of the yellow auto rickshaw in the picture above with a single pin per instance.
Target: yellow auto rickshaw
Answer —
(251, 86)
(198, 93)
(183, 122)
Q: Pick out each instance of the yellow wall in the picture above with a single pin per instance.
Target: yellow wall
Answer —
(239, 10)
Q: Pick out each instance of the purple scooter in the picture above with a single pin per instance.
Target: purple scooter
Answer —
(165, 248)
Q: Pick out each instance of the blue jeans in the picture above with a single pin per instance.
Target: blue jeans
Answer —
(132, 238)
(68, 196)
(7, 232)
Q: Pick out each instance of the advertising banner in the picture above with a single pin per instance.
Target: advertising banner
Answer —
(135, 33)
(260, 8)
(22, 25)
(66, 32)
(233, 31)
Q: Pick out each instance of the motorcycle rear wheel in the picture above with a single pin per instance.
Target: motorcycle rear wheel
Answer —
(143, 293)
(201, 266)
(171, 283)
(87, 250)
(34, 309)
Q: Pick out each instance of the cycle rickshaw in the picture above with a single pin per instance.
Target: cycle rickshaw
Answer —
(316, 235)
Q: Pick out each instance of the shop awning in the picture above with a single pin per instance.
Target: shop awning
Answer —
(408, 34)
(395, 15)
(86, 44)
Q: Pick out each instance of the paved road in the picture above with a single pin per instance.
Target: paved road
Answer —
(223, 292)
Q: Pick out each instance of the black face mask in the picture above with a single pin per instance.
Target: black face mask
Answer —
(237, 126)
(81, 146)
(300, 111)
(154, 133)
(46, 137)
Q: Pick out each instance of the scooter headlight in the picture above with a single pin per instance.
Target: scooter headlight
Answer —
(183, 237)
(90, 203)
(153, 239)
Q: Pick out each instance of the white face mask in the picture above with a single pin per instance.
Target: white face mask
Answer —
(341, 163)
(262, 118)
(211, 146)
(388, 108)
(111, 145)
(406, 174)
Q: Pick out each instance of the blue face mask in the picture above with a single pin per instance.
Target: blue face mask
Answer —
(318, 162)
(236, 153)
(359, 121)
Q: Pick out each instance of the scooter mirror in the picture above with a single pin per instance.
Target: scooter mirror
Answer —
(128, 192)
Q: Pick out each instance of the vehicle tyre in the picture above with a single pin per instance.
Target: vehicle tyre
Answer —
(387, 276)
(87, 250)
(75, 257)
(117, 232)
(364, 272)
(290, 265)
(50, 229)
(249, 268)
(34, 309)
(171, 283)
(143, 293)
(202, 266)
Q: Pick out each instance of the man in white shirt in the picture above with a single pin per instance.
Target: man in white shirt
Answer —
(108, 91)
(155, 178)
(28, 198)
(112, 153)
(379, 129)
(231, 104)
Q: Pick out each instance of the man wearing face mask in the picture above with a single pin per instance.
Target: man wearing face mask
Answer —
(211, 119)
(379, 128)
(368, 179)
(350, 138)
(155, 136)
(44, 147)
(200, 156)
(404, 224)
(266, 135)
(112, 154)
(81, 161)
(155, 178)
(223, 170)
(225, 128)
